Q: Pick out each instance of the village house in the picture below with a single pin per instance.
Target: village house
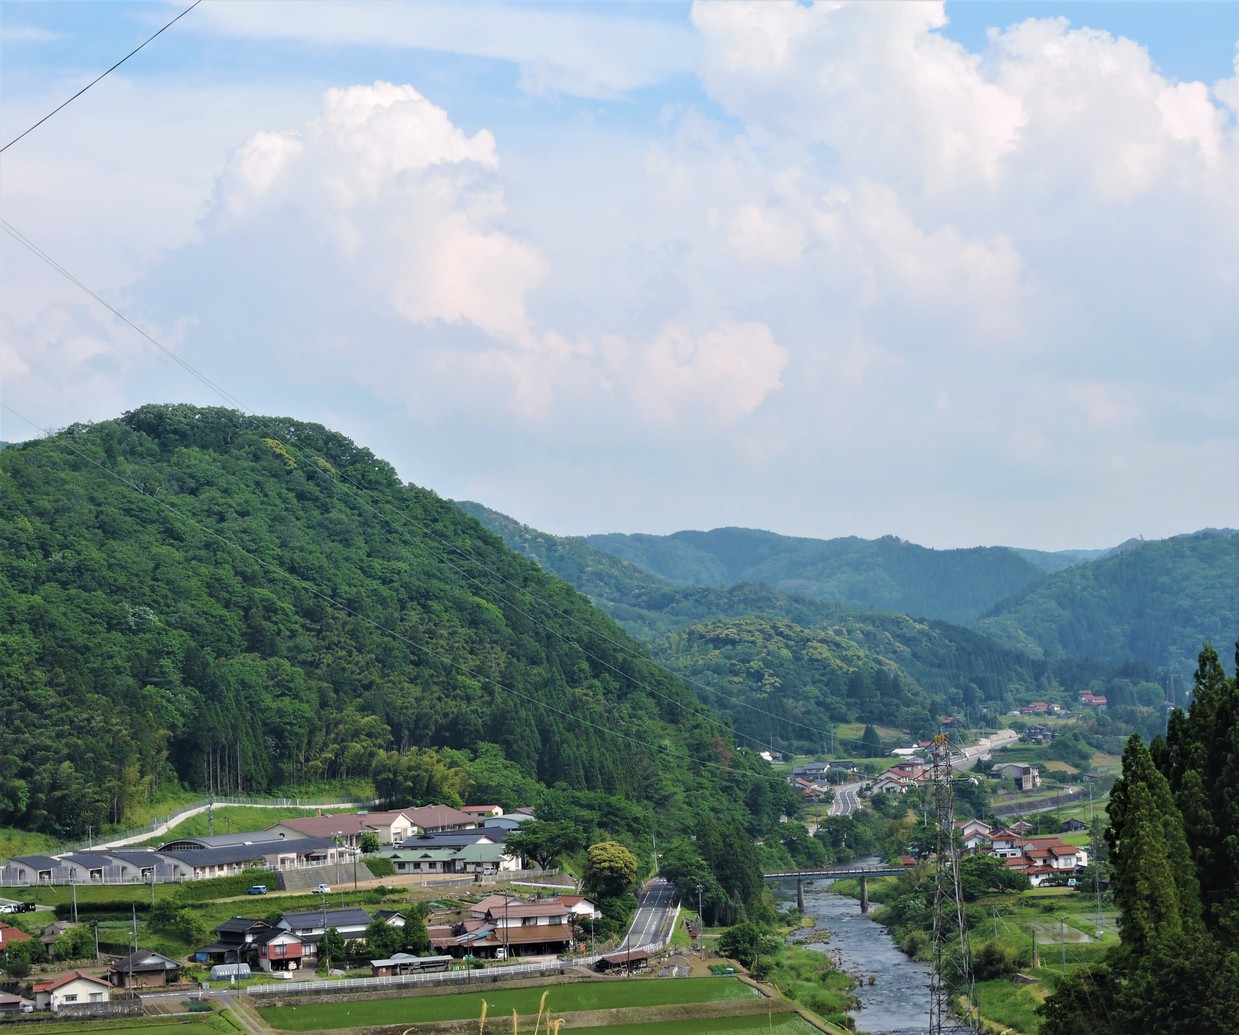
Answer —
(310, 926)
(10, 935)
(504, 926)
(347, 828)
(69, 990)
(1091, 700)
(278, 949)
(891, 782)
(234, 941)
(481, 812)
(12, 1005)
(974, 833)
(224, 855)
(144, 969)
(1026, 777)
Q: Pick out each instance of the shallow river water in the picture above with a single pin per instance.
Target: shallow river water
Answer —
(897, 1003)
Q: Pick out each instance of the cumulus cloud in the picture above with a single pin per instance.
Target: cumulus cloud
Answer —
(409, 198)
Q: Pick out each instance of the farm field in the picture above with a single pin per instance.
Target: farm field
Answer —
(593, 995)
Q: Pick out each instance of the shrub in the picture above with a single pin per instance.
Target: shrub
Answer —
(995, 961)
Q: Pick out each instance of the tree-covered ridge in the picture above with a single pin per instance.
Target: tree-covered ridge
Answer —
(198, 597)
(886, 574)
(1154, 602)
(806, 644)
(782, 683)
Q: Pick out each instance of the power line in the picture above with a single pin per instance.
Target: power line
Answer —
(98, 77)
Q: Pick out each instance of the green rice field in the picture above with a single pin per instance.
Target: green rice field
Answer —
(592, 995)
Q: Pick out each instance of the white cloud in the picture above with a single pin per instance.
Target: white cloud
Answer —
(726, 373)
(587, 53)
(409, 198)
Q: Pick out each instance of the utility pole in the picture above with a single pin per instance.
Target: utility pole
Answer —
(1062, 940)
(952, 970)
(74, 882)
(701, 925)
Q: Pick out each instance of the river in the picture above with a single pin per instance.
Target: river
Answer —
(897, 1003)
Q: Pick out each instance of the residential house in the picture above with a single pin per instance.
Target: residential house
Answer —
(1035, 708)
(1006, 844)
(481, 812)
(144, 969)
(429, 818)
(278, 949)
(12, 1005)
(814, 772)
(52, 932)
(913, 768)
(503, 925)
(1090, 700)
(10, 935)
(346, 829)
(892, 783)
(579, 906)
(1027, 777)
(310, 926)
(234, 941)
(974, 833)
(1072, 825)
(69, 990)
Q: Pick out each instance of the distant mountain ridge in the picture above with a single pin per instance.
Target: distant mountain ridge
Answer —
(1153, 602)
(886, 574)
(781, 665)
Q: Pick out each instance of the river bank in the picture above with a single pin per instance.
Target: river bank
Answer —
(892, 990)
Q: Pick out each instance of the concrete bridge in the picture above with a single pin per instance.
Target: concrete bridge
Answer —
(862, 873)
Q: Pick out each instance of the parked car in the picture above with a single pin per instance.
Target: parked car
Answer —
(323, 889)
(257, 889)
(17, 907)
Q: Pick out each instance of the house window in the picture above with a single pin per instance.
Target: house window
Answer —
(96, 997)
(69, 999)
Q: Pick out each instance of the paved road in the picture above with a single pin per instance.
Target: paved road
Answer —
(655, 909)
(176, 818)
(847, 799)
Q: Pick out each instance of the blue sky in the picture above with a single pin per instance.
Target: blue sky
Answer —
(961, 274)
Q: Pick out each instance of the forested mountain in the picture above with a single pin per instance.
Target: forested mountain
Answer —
(1154, 602)
(886, 574)
(784, 668)
(244, 604)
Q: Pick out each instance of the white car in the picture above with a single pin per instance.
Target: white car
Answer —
(323, 889)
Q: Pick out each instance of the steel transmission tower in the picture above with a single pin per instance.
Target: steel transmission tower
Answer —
(952, 974)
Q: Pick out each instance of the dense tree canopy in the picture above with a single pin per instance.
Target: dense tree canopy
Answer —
(196, 598)
(1172, 844)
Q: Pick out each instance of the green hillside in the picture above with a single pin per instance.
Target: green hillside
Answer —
(885, 574)
(196, 598)
(1154, 602)
(785, 668)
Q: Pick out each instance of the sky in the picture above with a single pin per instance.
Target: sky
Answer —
(963, 273)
